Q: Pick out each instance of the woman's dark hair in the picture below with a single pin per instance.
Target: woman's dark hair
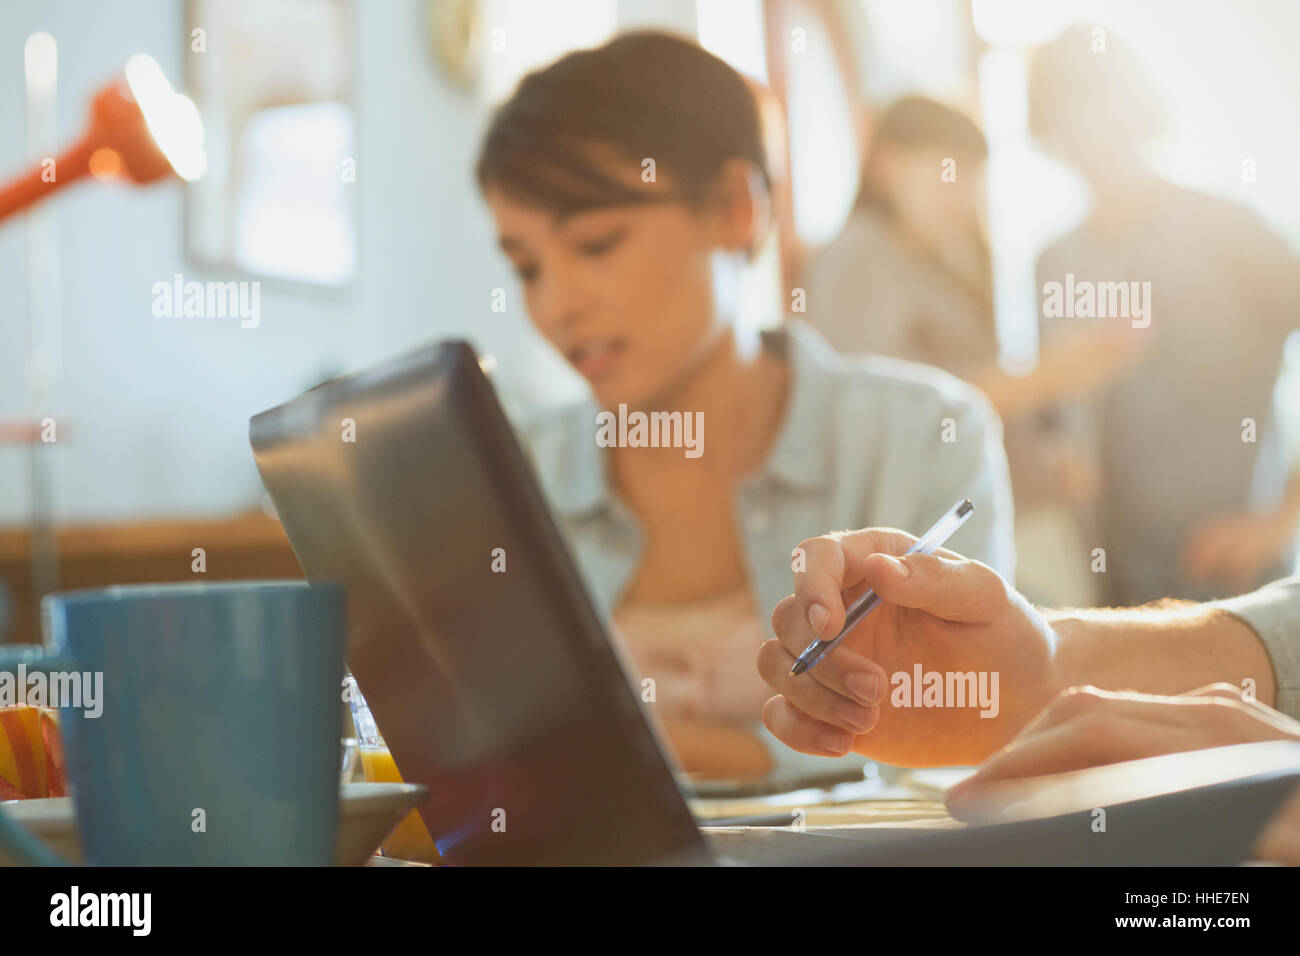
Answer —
(642, 95)
(917, 122)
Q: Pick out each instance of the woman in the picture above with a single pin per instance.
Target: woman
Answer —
(629, 187)
(910, 276)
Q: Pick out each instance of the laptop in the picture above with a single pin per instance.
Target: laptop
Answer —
(472, 636)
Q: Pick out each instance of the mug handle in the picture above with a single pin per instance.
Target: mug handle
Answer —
(15, 841)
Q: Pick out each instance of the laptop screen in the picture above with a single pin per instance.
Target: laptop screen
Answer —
(469, 631)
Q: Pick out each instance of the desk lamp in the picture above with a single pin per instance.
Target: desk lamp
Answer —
(139, 129)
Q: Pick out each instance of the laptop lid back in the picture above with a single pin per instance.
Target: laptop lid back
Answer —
(470, 632)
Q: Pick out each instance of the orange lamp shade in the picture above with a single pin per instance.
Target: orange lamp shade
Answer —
(119, 141)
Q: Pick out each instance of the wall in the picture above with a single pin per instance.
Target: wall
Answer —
(154, 417)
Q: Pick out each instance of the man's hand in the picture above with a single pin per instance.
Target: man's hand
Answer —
(942, 611)
(1087, 727)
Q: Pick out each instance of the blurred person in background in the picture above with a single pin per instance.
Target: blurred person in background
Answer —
(1196, 499)
(910, 276)
(630, 187)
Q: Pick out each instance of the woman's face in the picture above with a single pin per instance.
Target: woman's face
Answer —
(937, 196)
(624, 293)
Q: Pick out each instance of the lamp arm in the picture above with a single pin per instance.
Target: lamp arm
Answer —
(30, 187)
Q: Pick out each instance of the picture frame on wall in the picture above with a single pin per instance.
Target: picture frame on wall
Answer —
(275, 84)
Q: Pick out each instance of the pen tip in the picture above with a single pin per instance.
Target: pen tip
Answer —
(799, 668)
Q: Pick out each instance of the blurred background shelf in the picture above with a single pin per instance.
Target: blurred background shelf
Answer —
(244, 546)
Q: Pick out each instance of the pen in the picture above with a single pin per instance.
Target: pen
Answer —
(932, 540)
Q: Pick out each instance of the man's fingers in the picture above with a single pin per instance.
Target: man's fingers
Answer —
(1093, 706)
(844, 671)
(828, 565)
(1222, 689)
(820, 577)
(951, 588)
(1087, 727)
(1055, 750)
(805, 734)
(1231, 692)
(945, 583)
(1075, 730)
(854, 711)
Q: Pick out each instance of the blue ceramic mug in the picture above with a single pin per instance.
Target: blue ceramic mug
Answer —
(207, 729)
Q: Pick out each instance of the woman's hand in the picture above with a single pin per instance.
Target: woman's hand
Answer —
(1070, 365)
(941, 612)
(1086, 727)
(704, 679)
(1086, 358)
(713, 750)
(703, 701)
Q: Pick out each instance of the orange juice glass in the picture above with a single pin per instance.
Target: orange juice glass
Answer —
(410, 839)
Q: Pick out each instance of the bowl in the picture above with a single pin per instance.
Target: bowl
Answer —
(367, 812)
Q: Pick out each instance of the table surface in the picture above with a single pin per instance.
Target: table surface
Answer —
(883, 814)
(913, 814)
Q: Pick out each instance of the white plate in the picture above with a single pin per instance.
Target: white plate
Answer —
(367, 812)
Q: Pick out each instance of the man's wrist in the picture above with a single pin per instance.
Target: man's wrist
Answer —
(1167, 648)
(1069, 662)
